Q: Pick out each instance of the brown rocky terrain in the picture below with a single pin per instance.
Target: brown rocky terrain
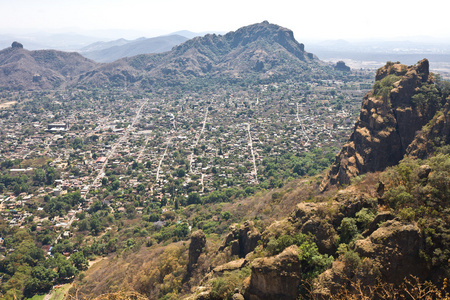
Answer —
(275, 277)
(391, 116)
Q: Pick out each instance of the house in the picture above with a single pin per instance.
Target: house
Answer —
(57, 127)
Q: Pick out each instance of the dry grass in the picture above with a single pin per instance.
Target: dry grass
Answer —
(411, 288)
(122, 295)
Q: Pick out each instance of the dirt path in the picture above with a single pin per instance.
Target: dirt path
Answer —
(250, 144)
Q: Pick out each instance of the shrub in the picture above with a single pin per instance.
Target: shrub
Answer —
(352, 260)
(407, 214)
(348, 230)
(383, 87)
(364, 217)
(398, 197)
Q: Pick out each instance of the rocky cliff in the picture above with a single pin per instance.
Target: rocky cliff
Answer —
(403, 100)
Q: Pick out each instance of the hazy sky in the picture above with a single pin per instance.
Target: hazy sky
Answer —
(321, 19)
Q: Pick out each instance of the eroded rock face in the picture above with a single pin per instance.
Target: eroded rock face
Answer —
(391, 253)
(325, 236)
(241, 240)
(196, 248)
(395, 246)
(385, 128)
(276, 277)
(437, 134)
(231, 266)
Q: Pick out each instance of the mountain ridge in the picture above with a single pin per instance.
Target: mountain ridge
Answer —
(114, 50)
(40, 69)
(260, 50)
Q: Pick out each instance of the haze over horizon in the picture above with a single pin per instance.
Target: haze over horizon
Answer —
(313, 20)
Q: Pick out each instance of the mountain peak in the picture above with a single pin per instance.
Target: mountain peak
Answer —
(17, 45)
(262, 50)
(253, 37)
(403, 100)
(263, 30)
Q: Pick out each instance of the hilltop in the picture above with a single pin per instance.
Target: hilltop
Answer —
(255, 52)
(21, 69)
(260, 50)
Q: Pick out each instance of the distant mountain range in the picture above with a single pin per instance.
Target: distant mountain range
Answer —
(114, 50)
(21, 69)
(260, 50)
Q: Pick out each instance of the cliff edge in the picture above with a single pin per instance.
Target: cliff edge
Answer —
(402, 101)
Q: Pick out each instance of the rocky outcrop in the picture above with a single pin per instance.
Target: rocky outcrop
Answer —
(391, 253)
(387, 124)
(395, 248)
(307, 220)
(276, 277)
(16, 45)
(231, 266)
(325, 236)
(241, 240)
(196, 248)
(436, 133)
(341, 66)
(379, 219)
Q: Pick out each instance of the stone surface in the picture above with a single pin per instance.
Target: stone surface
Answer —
(395, 247)
(241, 240)
(231, 266)
(275, 277)
(390, 253)
(385, 128)
(196, 248)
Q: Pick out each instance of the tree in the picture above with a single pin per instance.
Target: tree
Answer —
(348, 230)
(115, 185)
(41, 281)
(181, 230)
(66, 271)
(39, 176)
(140, 187)
(193, 198)
(181, 172)
(79, 261)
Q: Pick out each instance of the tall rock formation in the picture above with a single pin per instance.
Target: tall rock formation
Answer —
(403, 100)
(196, 248)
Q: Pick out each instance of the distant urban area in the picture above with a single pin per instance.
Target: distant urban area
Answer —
(115, 146)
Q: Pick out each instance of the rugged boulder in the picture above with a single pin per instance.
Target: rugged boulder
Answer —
(391, 115)
(436, 133)
(231, 266)
(196, 248)
(241, 240)
(391, 253)
(395, 247)
(276, 277)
